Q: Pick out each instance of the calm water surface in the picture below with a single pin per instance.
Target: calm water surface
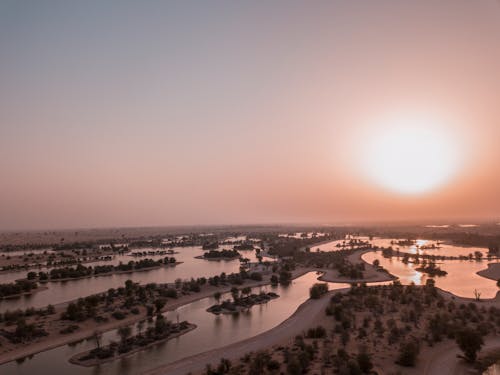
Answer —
(59, 292)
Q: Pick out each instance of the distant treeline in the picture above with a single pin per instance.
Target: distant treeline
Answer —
(83, 271)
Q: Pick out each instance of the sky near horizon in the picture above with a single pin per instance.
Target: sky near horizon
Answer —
(139, 113)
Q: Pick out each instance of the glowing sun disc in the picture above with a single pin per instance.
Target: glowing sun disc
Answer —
(411, 156)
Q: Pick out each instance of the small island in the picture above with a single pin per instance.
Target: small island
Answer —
(431, 269)
(162, 330)
(81, 271)
(220, 255)
(241, 303)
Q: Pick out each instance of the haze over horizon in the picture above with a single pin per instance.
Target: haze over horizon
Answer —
(125, 113)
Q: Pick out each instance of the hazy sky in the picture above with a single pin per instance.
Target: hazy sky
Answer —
(117, 113)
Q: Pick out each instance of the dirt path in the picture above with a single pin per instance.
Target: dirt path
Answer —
(444, 360)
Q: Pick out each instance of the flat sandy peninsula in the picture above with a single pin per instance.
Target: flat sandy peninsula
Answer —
(371, 274)
(492, 272)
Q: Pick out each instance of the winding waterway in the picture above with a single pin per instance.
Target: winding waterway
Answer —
(59, 292)
(217, 331)
(212, 332)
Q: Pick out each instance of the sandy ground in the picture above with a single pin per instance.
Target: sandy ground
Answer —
(492, 272)
(443, 360)
(309, 312)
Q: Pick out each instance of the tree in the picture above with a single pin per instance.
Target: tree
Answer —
(470, 342)
(364, 362)
(274, 280)
(124, 333)
(235, 293)
(97, 336)
(318, 290)
(246, 290)
(140, 326)
(408, 353)
(477, 295)
(159, 304)
(217, 296)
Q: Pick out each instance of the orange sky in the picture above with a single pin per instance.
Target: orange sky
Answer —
(160, 114)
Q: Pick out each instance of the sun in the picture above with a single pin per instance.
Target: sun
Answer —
(411, 155)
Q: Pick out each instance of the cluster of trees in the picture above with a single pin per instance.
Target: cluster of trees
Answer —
(214, 254)
(83, 271)
(318, 290)
(153, 296)
(119, 302)
(389, 252)
(160, 330)
(83, 308)
(296, 359)
(290, 246)
(431, 269)
(24, 332)
(232, 278)
(16, 288)
(210, 245)
(411, 307)
(149, 253)
(494, 249)
(11, 317)
(244, 246)
(333, 260)
(245, 300)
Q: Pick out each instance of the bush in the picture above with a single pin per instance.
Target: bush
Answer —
(257, 276)
(318, 290)
(408, 353)
(470, 342)
(316, 333)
